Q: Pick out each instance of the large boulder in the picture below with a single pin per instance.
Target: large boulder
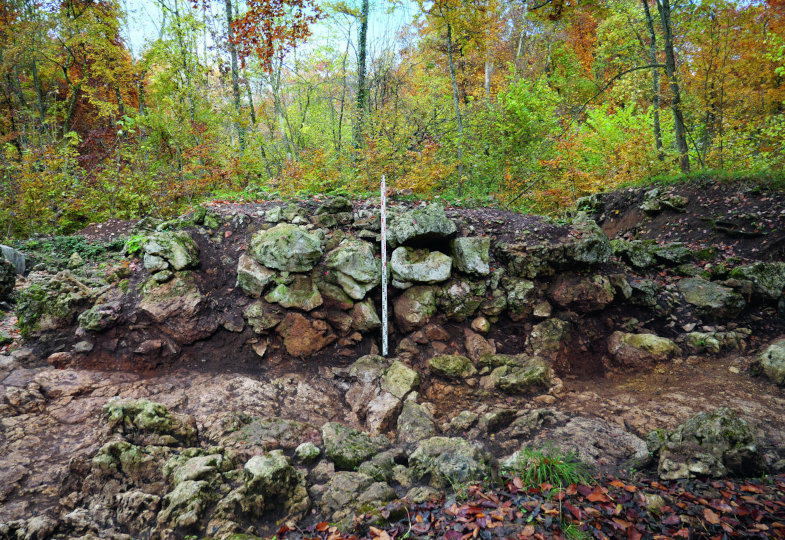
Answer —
(588, 244)
(582, 244)
(334, 205)
(100, 316)
(521, 297)
(452, 366)
(711, 299)
(176, 248)
(420, 226)
(378, 385)
(550, 336)
(415, 423)
(145, 422)
(448, 460)
(348, 447)
(399, 379)
(273, 477)
(349, 491)
(582, 294)
(301, 293)
(460, 298)
(637, 253)
(410, 265)
(772, 361)
(354, 267)
(595, 442)
(656, 200)
(364, 317)
(252, 277)
(713, 444)
(640, 349)
(768, 278)
(51, 303)
(472, 255)
(262, 316)
(185, 506)
(177, 307)
(414, 307)
(518, 373)
(302, 336)
(239, 431)
(286, 247)
(15, 257)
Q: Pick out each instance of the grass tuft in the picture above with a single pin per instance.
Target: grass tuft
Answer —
(549, 465)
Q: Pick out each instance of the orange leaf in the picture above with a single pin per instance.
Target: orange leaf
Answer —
(710, 516)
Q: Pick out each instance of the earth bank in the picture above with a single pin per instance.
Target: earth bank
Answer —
(228, 377)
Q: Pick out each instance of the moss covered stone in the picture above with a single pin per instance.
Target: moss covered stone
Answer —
(768, 278)
(410, 265)
(262, 316)
(419, 226)
(399, 379)
(472, 255)
(150, 422)
(711, 299)
(252, 277)
(523, 374)
(286, 247)
(302, 293)
(354, 266)
(712, 444)
(446, 461)
(452, 366)
(414, 307)
(50, 304)
(638, 349)
(175, 247)
(772, 361)
(348, 447)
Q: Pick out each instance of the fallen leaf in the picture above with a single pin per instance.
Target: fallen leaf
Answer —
(710, 516)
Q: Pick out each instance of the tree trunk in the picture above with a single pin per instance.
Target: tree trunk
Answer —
(488, 73)
(655, 79)
(457, 104)
(186, 71)
(17, 86)
(71, 104)
(361, 67)
(38, 93)
(250, 101)
(664, 7)
(235, 74)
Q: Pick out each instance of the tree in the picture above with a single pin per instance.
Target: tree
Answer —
(664, 9)
(271, 28)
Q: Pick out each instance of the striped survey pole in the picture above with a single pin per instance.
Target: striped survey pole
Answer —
(384, 268)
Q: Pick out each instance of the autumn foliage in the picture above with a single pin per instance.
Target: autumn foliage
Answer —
(532, 104)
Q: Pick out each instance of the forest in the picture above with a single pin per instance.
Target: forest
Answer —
(528, 104)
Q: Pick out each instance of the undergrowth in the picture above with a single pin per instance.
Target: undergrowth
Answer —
(536, 467)
(56, 250)
(760, 179)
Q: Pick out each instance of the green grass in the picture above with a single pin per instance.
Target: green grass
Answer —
(574, 533)
(549, 465)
